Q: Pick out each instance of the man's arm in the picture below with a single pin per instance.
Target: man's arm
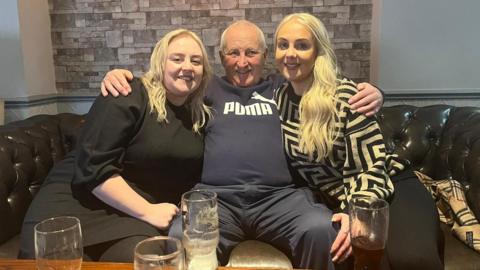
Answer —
(116, 81)
(367, 101)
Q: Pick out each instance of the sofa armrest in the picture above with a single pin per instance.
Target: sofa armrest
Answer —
(28, 150)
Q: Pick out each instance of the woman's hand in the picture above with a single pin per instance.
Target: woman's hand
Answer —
(116, 81)
(368, 100)
(341, 247)
(160, 215)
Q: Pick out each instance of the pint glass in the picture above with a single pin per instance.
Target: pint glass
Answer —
(58, 244)
(200, 229)
(368, 231)
(159, 253)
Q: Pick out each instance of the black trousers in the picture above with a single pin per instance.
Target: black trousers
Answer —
(119, 250)
(415, 240)
(287, 218)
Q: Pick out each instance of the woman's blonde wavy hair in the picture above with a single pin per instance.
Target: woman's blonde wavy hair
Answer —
(153, 81)
(317, 106)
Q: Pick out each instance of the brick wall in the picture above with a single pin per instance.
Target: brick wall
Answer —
(91, 37)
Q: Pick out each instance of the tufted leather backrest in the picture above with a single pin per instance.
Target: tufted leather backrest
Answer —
(438, 140)
(28, 150)
(441, 141)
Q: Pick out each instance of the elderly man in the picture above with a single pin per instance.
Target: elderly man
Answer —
(245, 165)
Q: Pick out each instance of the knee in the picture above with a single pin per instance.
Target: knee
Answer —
(318, 229)
(315, 238)
(121, 250)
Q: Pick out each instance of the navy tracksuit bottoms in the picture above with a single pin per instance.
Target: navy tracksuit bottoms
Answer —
(285, 217)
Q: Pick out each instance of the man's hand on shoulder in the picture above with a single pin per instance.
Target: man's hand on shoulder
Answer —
(116, 81)
(368, 100)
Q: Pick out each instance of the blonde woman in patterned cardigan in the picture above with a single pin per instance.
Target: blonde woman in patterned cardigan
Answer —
(340, 153)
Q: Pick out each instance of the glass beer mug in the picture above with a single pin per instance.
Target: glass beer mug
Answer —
(200, 229)
(368, 231)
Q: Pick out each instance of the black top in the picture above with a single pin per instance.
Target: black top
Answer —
(120, 136)
(159, 160)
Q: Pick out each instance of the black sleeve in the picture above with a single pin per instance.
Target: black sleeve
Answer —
(110, 125)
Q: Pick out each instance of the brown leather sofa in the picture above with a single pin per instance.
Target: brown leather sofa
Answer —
(441, 141)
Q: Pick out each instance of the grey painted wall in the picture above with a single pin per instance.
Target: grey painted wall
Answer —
(26, 57)
(37, 47)
(427, 46)
(11, 59)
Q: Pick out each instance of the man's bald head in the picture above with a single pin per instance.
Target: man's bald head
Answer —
(242, 25)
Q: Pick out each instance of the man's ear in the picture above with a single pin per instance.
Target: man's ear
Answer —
(220, 53)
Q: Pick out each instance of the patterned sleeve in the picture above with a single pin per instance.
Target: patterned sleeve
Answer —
(364, 172)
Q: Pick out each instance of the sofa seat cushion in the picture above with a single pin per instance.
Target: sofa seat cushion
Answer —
(258, 254)
(9, 249)
(457, 254)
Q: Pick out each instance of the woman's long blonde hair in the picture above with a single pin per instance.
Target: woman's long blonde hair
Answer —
(153, 81)
(317, 106)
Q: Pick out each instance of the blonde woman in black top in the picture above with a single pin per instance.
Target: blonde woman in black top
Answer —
(134, 158)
